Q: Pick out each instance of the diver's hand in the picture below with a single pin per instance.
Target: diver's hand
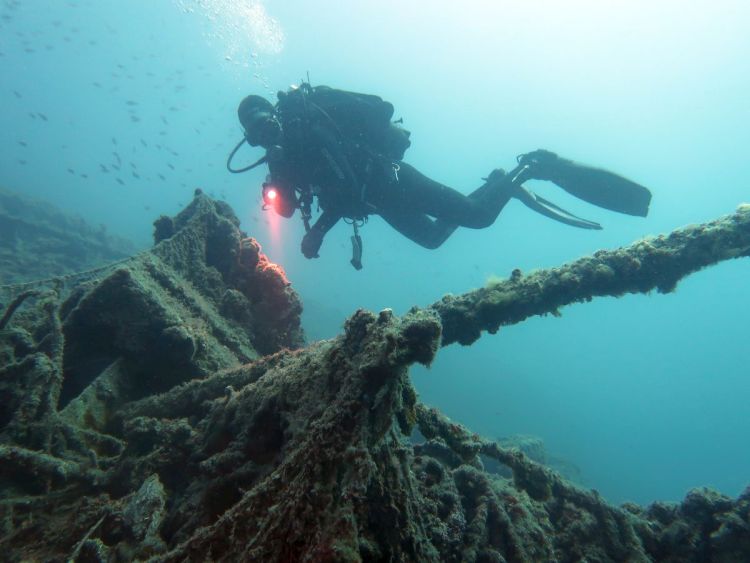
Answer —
(311, 243)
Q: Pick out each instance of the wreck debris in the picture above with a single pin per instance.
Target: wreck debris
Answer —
(15, 304)
(565, 522)
(164, 413)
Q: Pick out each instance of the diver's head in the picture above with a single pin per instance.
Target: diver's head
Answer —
(258, 118)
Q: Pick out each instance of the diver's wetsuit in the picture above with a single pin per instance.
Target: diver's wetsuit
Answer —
(428, 212)
(355, 173)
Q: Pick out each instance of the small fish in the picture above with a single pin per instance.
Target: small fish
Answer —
(115, 166)
(164, 120)
(104, 168)
(17, 94)
(84, 176)
(71, 171)
(132, 165)
(171, 166)
(97, 84)
(21, 161)
(32, 115)
(144, 143)
(42, 116)
(120, 182)
(23, 143)
(114, 141)
(172, 108)
(135, 118)
(136, 176)
(131, 103)
(163, 179)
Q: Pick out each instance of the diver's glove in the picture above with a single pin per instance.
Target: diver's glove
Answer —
(539, 162)
(311, 242)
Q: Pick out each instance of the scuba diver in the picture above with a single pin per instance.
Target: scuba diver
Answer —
(343, 149)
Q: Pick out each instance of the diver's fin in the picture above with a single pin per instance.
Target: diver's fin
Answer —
(549, 209)
(594, 185)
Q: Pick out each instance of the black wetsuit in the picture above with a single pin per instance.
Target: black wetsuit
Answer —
(342, 147)
(428, 212)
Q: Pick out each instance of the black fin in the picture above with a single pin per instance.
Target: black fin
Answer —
(549, 209)
(594, 185)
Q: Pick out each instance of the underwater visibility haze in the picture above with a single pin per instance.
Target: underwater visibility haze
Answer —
(116, 111)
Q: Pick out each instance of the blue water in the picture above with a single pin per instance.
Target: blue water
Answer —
(646, 394)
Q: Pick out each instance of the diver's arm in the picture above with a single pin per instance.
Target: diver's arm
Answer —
(314, 237)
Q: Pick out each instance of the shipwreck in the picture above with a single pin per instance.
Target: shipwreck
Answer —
(166, 408)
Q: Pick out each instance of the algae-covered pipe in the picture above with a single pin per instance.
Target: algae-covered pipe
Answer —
(651, 263)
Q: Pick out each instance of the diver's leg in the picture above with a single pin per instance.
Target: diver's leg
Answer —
(478, 210)
(418, 227)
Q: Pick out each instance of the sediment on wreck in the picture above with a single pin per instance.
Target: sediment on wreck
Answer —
(187, 443)
(75, 349)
